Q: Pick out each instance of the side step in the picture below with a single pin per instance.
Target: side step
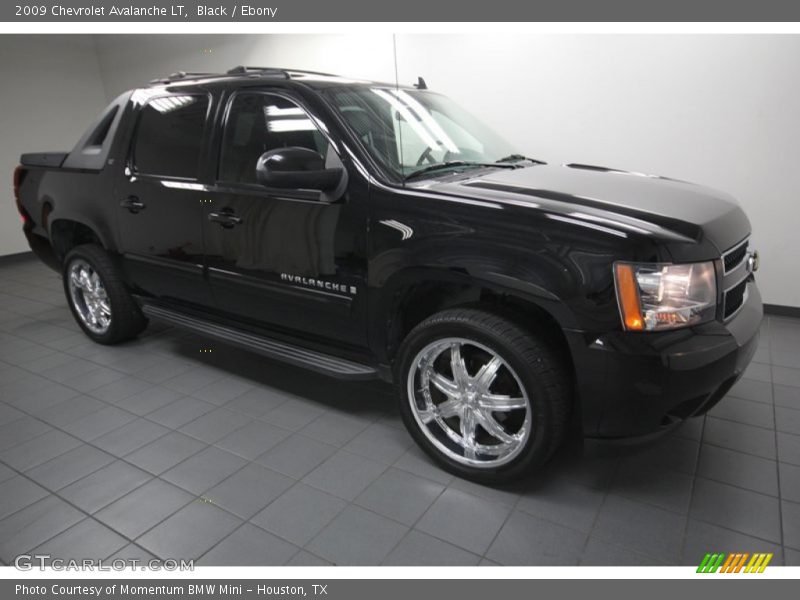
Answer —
(302, 357)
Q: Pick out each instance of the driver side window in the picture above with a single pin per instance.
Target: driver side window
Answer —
(258, 123)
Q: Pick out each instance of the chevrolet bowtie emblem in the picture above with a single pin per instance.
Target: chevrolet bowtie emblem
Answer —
(753, 261)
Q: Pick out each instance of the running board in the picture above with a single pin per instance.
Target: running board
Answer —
(302, 357)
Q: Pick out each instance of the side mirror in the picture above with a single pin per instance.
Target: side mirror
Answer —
(298, 169)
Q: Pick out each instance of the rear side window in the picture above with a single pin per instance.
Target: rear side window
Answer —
(169, 136)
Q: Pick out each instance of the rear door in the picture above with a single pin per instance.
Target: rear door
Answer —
(160, 199)
(284, 260)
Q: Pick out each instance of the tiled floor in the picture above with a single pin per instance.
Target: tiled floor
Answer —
(155, 448)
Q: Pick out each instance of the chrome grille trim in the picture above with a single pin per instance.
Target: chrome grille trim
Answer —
(741, 246)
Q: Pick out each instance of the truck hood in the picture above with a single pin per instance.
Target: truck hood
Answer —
(630, 201)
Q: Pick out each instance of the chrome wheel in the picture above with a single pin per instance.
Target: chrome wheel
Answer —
(89, 296)
(469, 402)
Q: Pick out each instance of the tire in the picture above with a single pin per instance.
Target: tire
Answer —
(531, 387)
(124, 319)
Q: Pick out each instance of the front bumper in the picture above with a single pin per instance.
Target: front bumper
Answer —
(636, 386)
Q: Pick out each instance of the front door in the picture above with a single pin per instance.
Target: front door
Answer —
(284, 260)
(159, 201)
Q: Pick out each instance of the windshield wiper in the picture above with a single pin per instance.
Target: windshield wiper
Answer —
(520, 157)
(454, 163)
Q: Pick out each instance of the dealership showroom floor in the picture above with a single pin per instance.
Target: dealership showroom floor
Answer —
(173, 447)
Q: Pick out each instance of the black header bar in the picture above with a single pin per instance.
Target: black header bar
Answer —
(406, 11)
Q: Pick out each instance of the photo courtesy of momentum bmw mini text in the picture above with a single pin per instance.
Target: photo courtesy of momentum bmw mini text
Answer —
(124, 589)
(360, 300)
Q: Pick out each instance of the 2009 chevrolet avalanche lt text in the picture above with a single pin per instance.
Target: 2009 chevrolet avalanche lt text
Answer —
(366, 230)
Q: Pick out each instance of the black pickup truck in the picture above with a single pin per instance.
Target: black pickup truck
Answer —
(368, 230)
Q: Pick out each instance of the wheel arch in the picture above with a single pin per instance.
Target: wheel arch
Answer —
(67, 233)
(413, 295)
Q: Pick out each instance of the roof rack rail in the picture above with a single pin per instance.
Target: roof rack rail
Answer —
(238, 70)
(244, 70)
(178, 75)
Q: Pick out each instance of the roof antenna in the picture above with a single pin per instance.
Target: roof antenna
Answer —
(421, 85)
(399, 125)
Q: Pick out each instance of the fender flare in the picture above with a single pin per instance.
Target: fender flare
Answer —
(102, 233)
(385, 300)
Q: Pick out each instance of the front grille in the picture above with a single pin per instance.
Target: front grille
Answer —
(734, 257)
(734, 298)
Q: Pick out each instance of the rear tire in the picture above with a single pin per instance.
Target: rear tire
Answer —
(497, 417)
(101, 304)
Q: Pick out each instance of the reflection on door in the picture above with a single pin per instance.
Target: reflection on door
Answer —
(281, 237)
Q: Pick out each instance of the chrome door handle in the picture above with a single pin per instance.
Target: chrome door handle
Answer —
(133, 204)
(226, 218)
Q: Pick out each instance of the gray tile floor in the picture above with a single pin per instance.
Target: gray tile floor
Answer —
(161, 448)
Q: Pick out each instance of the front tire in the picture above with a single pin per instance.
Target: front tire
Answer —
(98, 298)
(487, 400)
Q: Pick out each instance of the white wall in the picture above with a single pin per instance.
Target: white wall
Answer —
(51, 91)
(130, 61)
(723, 111)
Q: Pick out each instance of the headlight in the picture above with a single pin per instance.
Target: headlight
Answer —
(653, 296)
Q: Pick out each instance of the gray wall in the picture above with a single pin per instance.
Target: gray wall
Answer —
(719, 110)
(50, 93)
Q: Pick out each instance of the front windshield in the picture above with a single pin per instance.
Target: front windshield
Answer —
(411, 131)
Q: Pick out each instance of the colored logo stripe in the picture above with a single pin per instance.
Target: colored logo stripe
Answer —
(734, 562)
(711, 563)
(758, 563)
